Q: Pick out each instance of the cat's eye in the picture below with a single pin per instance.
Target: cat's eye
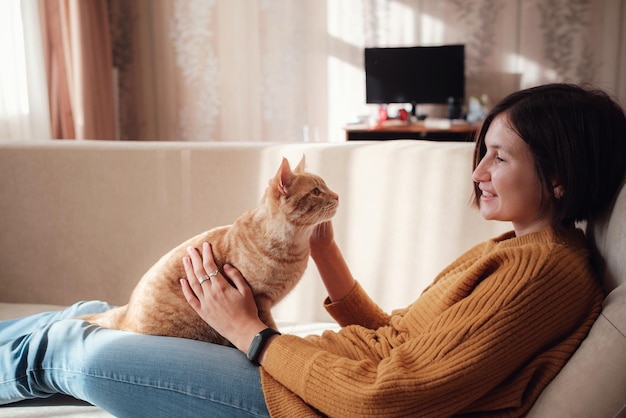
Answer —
(316, 192)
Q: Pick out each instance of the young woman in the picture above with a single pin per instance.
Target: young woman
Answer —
(485, 338)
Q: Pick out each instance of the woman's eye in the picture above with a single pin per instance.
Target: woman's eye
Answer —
(316, 192)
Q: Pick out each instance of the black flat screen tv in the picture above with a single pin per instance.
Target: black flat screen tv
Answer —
(416, 75)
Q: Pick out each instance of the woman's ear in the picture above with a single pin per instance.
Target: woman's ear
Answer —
(559, 192)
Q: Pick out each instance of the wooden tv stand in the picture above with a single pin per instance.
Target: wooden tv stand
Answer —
(459, 131)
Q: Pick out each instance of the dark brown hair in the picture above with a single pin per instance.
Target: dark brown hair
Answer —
(576, 136)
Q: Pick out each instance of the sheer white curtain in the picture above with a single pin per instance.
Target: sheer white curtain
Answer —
(24, 108)
(284, 70)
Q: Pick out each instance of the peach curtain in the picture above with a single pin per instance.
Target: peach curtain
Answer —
(77, 47)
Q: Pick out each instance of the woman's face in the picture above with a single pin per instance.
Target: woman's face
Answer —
(506, 175)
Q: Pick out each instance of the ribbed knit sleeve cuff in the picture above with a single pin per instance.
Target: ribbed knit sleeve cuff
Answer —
(357, 308)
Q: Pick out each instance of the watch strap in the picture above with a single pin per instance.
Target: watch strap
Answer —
(258, 343)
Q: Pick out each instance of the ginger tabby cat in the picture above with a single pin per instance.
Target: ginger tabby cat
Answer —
(268, 244)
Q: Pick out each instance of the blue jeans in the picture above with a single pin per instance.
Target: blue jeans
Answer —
(126, 374)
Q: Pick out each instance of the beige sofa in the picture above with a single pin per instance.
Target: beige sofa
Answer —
(84, 220)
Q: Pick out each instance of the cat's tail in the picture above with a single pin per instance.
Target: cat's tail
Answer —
(112, 319)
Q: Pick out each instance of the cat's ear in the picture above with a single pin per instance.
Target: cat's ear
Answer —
(283, 176)
(300, 167)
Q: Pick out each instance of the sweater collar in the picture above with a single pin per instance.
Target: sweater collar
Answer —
(571, 237)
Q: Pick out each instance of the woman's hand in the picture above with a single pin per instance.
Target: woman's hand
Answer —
(330, 263)
(322, 237)
(231, 311)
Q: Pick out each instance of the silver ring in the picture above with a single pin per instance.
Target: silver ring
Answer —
(211, 275)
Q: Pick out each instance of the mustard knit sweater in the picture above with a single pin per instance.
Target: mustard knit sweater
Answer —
(484, 339)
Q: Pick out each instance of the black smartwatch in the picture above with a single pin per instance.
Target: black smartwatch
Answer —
(258, 343)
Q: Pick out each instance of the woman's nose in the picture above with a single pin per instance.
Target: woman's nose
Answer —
(479, 174)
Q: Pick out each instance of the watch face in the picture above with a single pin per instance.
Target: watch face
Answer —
(253, 351)
(258, 342)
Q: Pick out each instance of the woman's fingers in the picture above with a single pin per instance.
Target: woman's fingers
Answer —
(191, 294)
(225, 302)
(196, 273)
(196, 264)
(208, 262)
(200, 268)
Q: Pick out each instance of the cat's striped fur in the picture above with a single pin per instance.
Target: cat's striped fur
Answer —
(268, 244)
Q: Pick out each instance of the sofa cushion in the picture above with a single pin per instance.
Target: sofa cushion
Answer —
(593, 382)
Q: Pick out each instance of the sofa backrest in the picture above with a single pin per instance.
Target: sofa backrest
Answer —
(593, 382)
(85, 219)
